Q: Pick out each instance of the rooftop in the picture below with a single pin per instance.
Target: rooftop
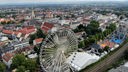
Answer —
(7, 56)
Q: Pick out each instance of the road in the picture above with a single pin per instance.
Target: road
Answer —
(103, 65)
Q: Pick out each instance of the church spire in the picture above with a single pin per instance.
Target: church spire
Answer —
(33, 13)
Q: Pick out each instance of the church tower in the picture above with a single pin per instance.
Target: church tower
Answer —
(33, 13)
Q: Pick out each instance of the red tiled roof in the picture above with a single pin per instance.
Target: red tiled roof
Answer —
(27, 30)
(16, 32)
(7, 56)
(87, 20)
(7, 32)
(45, 29)
(108, 43)
(23, 49)
(1, 27)
(30, 27)
(49, 25)
(38, 40)
(2, 43)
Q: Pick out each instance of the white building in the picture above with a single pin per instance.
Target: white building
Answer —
(62, 22)
(32, 55)
(3, 39)
(74, 24)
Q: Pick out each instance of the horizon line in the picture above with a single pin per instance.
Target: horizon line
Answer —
(66, 2)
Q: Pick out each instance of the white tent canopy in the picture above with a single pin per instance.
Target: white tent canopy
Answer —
(80, 60)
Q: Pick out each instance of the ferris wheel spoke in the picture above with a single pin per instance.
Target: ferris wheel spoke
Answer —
(53, 43)
(52, 40)
(48, 64)
(49, 49)
(48, 52)
(57, 62)
(52, 52)
(47, 57)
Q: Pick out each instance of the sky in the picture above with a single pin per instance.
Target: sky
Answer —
(48, 1)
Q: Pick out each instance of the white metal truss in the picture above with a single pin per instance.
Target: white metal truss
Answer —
(56, 48)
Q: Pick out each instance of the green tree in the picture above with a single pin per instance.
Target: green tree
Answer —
(79, 28)
(126, 55)
(18, 60)
(112, 26)
(32, 37)
(37, 49)
(81, 44)
(21, 69)
(100, 50)
(92, 40)
(93, 28)
(73, 16)
(94, 23)
(2, 67)
(87, 42)
(106, 48)
(40, 34)
(31, 65)
(22, 63)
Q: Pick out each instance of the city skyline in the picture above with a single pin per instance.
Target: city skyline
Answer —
(52, 1)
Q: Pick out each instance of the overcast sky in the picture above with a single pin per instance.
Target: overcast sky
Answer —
(55, 1)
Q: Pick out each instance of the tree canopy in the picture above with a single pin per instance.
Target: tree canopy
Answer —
(18, 60)
(106, 48)
(2, 67)
(20, 69)
(112, 26)
(38, 34)
(93, 28)
(94, 35)
(22, 63)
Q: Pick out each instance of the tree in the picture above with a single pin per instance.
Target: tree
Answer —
(20, 69)
(94, 23)
(40, 34)
(32, 37)
(87, 42)
(121, 17)
(92, 40)
(2, 67)
(18, 60)
(100, 51)
(81, 44)
(79, 28)
(3, 22)
(106, 48)
(93, 28)
(22, 64)
(31, 65)
(37, 49)
(72, 16)
(126, 55)
(112, 26)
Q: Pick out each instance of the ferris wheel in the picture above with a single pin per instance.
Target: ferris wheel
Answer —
(55, 50)
(120, 34)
